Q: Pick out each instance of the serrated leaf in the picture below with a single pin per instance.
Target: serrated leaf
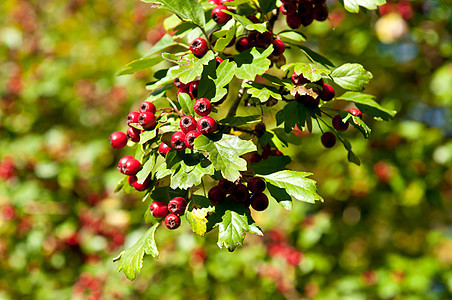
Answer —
(262, 92)
(140, 64)
(147, 168)
(351, 77)
(188, 10)
(295, 184)
(239, 121)
(192, 67)
(147, 135)
(166, 80)
(224, 152)
(367, 104)
(315, 57)
(197, 212)
(353, 5)
(292, 114)
(261, 27)
(186, 103)
(290, 36)
(310, 71)
(131, 260)
(257, 66)
(188, 176)
(281, 196)
(223, 42)
(271, 164)
(224, 73)
(165, 42)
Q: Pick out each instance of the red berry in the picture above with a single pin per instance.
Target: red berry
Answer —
(181, 85)
(206, 125)
(184, 91)
(220, 16)
(163, 149)
(178, 141)
(327, 93)
(147, 106)
(187, 123)
(133, 134)
(288, 8)
(255, 158)
(356, 112)
(256, 185)
(219, 60)
(215, 195)
(278, 47)
(177, 205)
(293, 21)
(172, 221)
(307, 20)
(328, 139)
(276, 153)
(193, 90)
(253, 18)
(226, 186)
(217, 2)
(242, 44)
(133, 181)
(199, 47)
(338, 124)
(240, 193)
(263, 40)
(298, 79)
(118, 139)
(128, 165)
(259, 201)
(307, 100)
(133, 117)
(202, 106)
(147, 120)
(320, 13)
(159, 209)
(305, 9)
(190, 138)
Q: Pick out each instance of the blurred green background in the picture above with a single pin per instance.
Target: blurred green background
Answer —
(383, 232)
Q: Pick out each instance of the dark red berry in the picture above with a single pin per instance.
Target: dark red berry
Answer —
(338, 124)
(133, 134)
(172, 221)
(226, 186)
(307, 20)
(206, 125)
(159, 209)
(133, 181)
(298, 79)
(328, 139)
(220, 16)
(242, 44)
(199, 47)
(240, 193)
(190, 138)
(133, 117)
(305, 9)
(320, 82)
(253, 18)
(288, 8)
(278, 47)
(263, 40)
(147, 106)
(327, 93)
(252, 37)
(147, 120)
(356, 112)
(180, 85)
(178, 141)
(293, 21)
(184, 91)
(177, 205)
(276, 153)
(128, 165)
(202, 106)
(320, 13)
(187, 123)
(193, 90)
(307, 100)
(255, 158)
(259, 202)
(256, 185)
(215, 195)
(163, 149)
(118, 139)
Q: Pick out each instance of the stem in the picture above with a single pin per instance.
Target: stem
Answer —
(319, 124)
(235, 105)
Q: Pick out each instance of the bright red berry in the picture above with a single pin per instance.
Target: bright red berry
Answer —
(219, 60)
(133, 181)
(118, 139)
(288, 8)
(356, 112)
(298, 79)
(217, 2)
(128, 165)
(259, 202)
(240, 193)
(256, 185)
(338, 124)
(177, 205)
(219, 16)
(178, 140)
(215, 195)
(159, 209)
(133, 117)
(226, 186)
(328, 139)
(206, 125)
(293, 21)
(184, 91)
(187, 123)
(147, 120)
(327, 93)
(163, 149)
(320, 13)
(172, 221)
(202, 106)
(278, 47)
(193, 89)
(181, 85)
(199, 47)
(147, 106)
(190, 138)
(243, 44)
(133, 134)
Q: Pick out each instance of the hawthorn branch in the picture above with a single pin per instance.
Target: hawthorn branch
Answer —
(235, 105)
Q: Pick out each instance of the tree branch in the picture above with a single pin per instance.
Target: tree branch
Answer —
(235, 105)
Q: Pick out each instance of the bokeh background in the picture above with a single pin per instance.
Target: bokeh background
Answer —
(383, 232)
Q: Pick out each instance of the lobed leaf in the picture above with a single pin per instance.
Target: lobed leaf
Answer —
(187, 10)
(224, 73)
(258, 65)
(262, 92)
(197, 213)
(351, 77)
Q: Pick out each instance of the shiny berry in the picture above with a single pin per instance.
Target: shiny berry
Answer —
(240, 193)
(242, 44)
(147, 106)
(293, 21)
(307, 20)
(338, 124)
(177, 205)
(288, 8)
(356, 112)
(183, 91)
(206, 125)
(181, 85)
(259, 202)
(187, 123)
(328, 139)
(159, 209)
(219, 16)
(199, 47)
(202, 106)
(163, 149)
(215, 195)
(320, 13)
(178, 141)
(327, 93)
(219, 60)
(226, 186)
(256, 185)
(147, 120)
(278, 47)
(133, 181)
(133, 117)
(193, 89)
(172, 221)
(118, 139)
(190, 138)
(129, 166)
(123, 160)
(298, 79)
(133, 134)
(263, 40)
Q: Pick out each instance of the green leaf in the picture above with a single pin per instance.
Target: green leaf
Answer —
(271, 165)
(353, 5)
(166, 80)
(295, 184)
(281, 196)
(147, 168)
(293, 113)
(164, 43)
(267, 5)
(224, 73)
(224, 152)
(197, 214)
(140, 64)
(131, 260)
(351, 77)
(191, 175)
(367, 104)
(315, 57)
(356, 122)
(258, 65)
(284, 138)
(261, 27)
(147, 135)
(191, 67)
(187, 10)
(235, 221)
(223, 42)
(290, 36)
(123, 182)
(351, 156)
(277, 81)
(310, 71)
(186, 103)
(239, 121)
(262, 92)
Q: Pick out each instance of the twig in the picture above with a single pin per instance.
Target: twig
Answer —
(235, 105)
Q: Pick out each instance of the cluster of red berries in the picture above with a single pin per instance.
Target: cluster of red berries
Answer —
(266, 152)
(89, 284)
(261, 40)
(240, 193)
(303, 12)
(171, 211)
(277, 246)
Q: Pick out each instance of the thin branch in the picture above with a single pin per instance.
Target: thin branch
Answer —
(235, 105)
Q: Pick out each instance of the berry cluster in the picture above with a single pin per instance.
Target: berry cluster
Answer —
(261, 40)
(171, 211)
(88, 286)
(255, 157)
(303, 12)
(240, 193)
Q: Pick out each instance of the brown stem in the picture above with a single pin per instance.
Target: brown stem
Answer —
(235, 105)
